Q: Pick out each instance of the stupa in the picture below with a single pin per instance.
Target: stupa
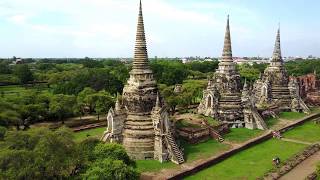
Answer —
(222, 99)
(274, 88)
(140, 119)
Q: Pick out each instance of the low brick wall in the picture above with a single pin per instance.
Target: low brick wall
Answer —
(194, 135)
(216, 159)
(292, 162)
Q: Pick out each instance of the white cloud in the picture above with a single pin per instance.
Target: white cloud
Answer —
(108, 26)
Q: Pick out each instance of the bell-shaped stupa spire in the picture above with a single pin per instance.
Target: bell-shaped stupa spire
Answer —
(140, 61)
(227, 50)
(276, 57)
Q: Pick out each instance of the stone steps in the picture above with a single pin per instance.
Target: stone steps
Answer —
(176, 151)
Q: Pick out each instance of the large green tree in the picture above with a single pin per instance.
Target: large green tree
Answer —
(23, 72)
(110, 161)
(39, 154)
(9, 115)
(62, 106)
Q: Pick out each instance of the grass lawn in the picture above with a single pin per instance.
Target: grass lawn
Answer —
(96, 132)
(271, 121)
(153, 165)
(251, 163)
(184, 123)
(192, 152)
(16, 90)
(292, 115)
(309, 132)
(203, 150)
(211, 121)
(242, 134)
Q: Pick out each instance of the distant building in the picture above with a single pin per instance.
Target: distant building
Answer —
(18, 61)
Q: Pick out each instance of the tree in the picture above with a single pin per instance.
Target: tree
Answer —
(62, 106)
(39, 154)
(32, 113)
(3, 132)
(110, 162)
(102, 102)
(24, 74)
(84, 100)
(169, 72)
(9, 115)
(4, 67)
(111, 169)
(248, 72)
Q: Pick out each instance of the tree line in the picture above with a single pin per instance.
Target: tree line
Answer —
(41, 153)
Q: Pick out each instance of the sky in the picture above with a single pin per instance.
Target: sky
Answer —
(174, 28)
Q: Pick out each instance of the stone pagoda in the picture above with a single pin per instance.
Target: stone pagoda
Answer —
(274, 88)
(222, 98)
(140, 120)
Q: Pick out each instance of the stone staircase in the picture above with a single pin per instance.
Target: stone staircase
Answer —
(259, 120)
(214, 133)
(304, 107)
(175, 152)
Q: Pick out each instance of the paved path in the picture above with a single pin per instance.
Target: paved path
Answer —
(296, 141)
(305, 168)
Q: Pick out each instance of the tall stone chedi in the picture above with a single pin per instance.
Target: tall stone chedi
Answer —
(222, 98)
(274, 88)
(140, 120)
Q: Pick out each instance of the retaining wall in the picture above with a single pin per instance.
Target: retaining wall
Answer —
(216, 159)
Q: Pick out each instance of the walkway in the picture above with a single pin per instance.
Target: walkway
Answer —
(304, 169)
(296, 141)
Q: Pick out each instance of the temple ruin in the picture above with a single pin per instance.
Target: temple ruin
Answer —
(274, 88)
(140, 120)
(223, 99)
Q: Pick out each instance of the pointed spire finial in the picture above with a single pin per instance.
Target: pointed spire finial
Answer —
(158, 101)
(245, 86)
(140, 61)
(227, 50)
(117, 105)
(276, 57)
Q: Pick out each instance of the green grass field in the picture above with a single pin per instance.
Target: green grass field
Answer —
(292, 115)
(153, 165)
(184, 123)
(309, 132)
(96, 132)
(192, 152)
(238, 135)
(16, 90)
(203, 150)
(251, 163)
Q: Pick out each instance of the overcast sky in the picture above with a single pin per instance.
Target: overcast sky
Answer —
(174, 28)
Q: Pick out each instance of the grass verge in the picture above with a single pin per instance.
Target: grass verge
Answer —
(192, 152)
(309, 132)
(251, 163)
(239, 135)
(96, 132)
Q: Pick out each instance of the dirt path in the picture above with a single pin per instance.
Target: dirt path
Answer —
(305, 168)
(296, 141)
(282, 123)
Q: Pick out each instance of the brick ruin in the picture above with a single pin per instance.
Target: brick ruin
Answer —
(309, 88)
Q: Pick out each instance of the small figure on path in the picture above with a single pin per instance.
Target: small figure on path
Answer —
(276, 161)
(276, 134)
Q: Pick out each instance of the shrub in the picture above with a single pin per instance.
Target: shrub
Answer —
(3, 131)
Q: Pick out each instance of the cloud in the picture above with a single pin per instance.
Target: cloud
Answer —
(18, 19)
(107, 27)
